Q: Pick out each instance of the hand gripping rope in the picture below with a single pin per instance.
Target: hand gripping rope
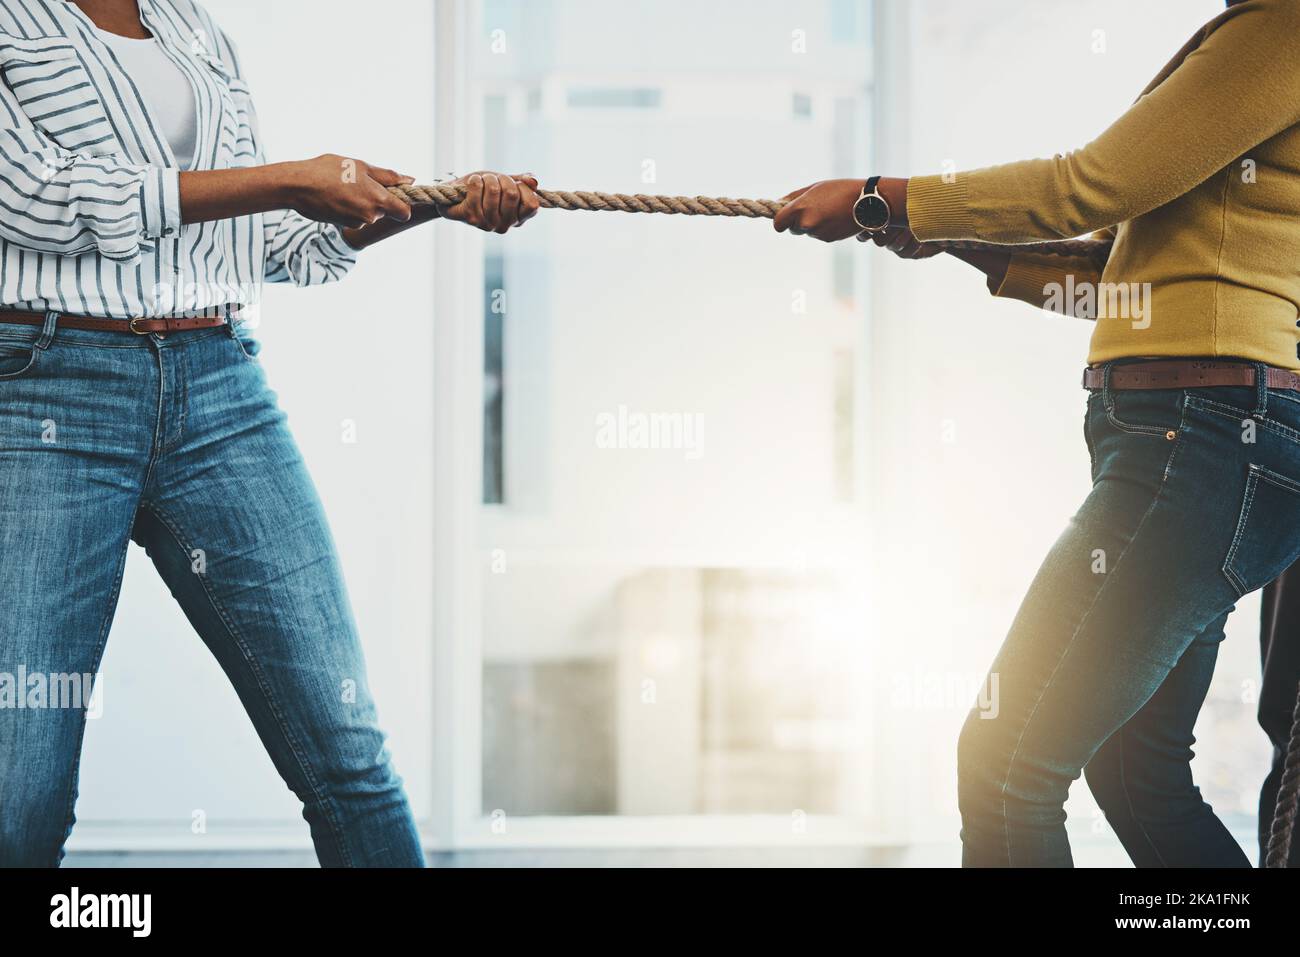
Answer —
(449, 194)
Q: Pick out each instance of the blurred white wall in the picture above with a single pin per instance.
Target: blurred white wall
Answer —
(173, 739)
(716, 319)
(755, 337)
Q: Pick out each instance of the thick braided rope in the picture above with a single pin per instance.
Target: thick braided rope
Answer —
(449, 194)
(1288, 799)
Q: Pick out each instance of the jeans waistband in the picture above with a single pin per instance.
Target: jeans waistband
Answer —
(52, 331)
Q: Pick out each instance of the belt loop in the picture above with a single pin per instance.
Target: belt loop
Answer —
(1261, 390)
(47, 330)
(1107, 396)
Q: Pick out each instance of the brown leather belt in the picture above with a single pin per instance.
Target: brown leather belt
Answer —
(141, 327)
(1186, 374)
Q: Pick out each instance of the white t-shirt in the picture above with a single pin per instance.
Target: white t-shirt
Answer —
(165, 89)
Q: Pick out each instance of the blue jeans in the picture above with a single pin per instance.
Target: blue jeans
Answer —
(1195, 503)
(176, 442)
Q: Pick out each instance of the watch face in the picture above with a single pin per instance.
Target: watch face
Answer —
(871, 212)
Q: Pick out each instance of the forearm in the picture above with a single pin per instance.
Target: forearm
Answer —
(361, 204)
(894, 191)
(230, 193)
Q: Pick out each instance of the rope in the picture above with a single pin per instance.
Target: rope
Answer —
(449, 194)
(1288, 799)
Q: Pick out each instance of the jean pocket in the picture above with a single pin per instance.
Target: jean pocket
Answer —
(16, 358)
(1157, 412)
(1267, 539)
(248, 347)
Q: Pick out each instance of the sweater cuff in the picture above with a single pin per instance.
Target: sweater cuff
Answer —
(160, 199)
(1027, 279)
(939, 209)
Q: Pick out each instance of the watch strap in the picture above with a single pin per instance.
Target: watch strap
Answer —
(869, 189)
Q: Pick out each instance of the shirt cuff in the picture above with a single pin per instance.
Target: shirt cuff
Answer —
(938, 207)
(160, 202)
(340, 252)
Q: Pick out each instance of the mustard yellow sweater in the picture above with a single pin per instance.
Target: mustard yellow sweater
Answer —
(1199, 182)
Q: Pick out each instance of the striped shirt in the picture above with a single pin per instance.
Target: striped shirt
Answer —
(90, 217)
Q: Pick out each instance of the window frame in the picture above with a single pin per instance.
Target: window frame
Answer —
(457, 821)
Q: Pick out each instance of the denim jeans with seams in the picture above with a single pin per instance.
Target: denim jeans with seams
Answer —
(1195, 503)
(176, 442)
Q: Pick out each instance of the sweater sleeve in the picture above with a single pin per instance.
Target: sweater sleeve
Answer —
(1041, 280)
(1239, 88)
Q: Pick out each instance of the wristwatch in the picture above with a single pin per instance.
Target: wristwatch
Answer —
(871, 212)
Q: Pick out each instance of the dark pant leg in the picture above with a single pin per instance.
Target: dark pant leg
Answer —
(1142, 776)
(1185, 517)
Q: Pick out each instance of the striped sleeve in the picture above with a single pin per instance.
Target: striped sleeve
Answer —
(54, 201)
(304, 252)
